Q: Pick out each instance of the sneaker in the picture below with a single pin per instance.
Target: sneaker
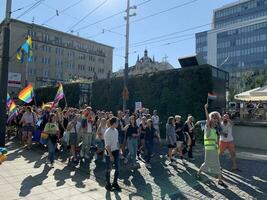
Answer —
(192, 159)
(108, 187)
(116, 187)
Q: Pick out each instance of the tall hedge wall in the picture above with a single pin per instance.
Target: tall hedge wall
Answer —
(179, 91)
(47, 94)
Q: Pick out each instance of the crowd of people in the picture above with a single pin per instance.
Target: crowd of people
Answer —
(125, 136)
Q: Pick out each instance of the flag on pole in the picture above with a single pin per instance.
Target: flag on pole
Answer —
(212, 96)
(12, 112)
(8, 100)
(26, 94)
(25, 49)
(59, 96)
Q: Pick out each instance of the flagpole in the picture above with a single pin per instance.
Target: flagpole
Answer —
(66, 104)
(26, 75)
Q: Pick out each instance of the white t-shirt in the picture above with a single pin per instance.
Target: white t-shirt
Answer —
(78, 126)
(111, 138)
(155, 120)
(226, 129)
(89, 127)
(138, 122)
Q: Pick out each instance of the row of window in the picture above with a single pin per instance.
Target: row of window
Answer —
(242, 52)
(201, 39)
(58, 40)
(201, 49)
(246, 29)
(242, 41)
(235, 20)
(240, 8)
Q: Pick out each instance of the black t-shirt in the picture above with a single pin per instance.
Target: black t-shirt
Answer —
(150, 133)
(121, 124)
(131, 130)
(179, 134)
(143, 130)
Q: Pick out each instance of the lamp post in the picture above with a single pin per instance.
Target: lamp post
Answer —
(125, 77)
(4, 73)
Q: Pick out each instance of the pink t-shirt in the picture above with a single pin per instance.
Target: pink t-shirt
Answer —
(28, 118)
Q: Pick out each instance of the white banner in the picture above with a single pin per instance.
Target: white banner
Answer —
(138, 105)
(14, 79)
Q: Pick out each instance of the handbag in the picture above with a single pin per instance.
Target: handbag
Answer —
(44, 135)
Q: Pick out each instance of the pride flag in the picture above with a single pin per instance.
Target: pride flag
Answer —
(212, 96)
(26, 94)
(8, 100)
(25, 49)
(12, 112)
(59, 96)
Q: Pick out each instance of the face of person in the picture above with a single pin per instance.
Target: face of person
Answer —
(225, 118)
(177, 119)
(132, 120)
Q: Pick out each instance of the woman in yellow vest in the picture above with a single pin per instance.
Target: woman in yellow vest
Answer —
(211, 164)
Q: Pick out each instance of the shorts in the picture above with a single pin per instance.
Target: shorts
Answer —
(73, 139)
(179, 144)
(170, 146)
(27, 128)
(100, 144)
(122, 139)
(227, 146)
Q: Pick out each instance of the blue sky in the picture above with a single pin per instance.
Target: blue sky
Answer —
(173, 46)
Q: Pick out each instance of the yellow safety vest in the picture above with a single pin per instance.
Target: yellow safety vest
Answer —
(210, 143)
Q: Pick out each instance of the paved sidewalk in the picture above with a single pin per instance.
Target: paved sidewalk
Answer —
(25, 176)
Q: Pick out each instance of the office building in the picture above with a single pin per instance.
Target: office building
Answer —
(57, 57)
(237, 40)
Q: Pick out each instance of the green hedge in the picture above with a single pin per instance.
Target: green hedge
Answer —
(182, 92)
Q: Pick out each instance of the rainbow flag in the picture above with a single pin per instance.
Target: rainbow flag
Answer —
(26, 94)
(59, 96)
(12, 112)
(8, 100)
(212, 96)
(25, 49)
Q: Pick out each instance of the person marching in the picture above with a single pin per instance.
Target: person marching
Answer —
(111, 138)
(211, 163)
(51, 128)
(227, 140)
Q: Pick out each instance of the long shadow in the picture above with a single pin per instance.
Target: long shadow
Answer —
(189, 176)
(117, 195)
(62, 175)
(32, 181)
(143, 189)
(162, 179)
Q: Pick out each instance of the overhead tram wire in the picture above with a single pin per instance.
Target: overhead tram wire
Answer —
(155, 14)
(31, 8)
(157, 41)
(62, 11)
(91, 12)
(109, 17)
(21, 8)
(152, 15)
